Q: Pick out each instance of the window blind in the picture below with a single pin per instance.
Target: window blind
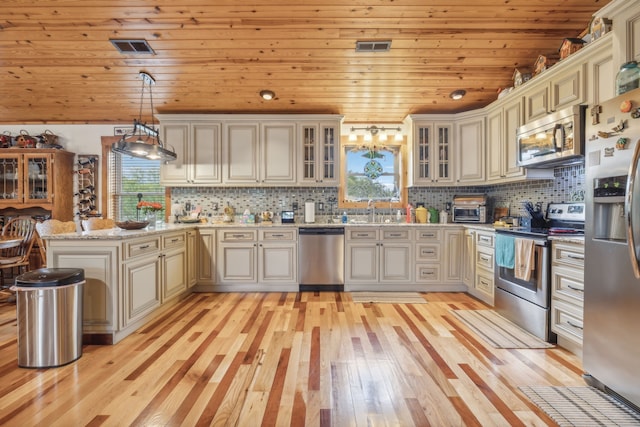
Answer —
(128, 177)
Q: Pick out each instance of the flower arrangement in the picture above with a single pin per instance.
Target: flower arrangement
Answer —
(149, 207)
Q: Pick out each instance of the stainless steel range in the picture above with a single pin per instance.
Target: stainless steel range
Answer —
(525, 298)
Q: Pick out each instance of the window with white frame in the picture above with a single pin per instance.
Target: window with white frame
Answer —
(129, 178)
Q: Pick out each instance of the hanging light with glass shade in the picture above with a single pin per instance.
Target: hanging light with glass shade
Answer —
(144, 140)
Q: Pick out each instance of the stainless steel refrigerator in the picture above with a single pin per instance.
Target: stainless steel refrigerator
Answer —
(611, 345)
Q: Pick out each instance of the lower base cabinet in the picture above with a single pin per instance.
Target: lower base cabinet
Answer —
(483, 286)
(128, 280)
(257, 260)
(567, 294)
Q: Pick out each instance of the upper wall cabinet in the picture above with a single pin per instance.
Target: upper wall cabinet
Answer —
(319, 153)
(432, 152)
(562, 90)
(503, 121)
(470, 146)
(260, 153)
(198, 149)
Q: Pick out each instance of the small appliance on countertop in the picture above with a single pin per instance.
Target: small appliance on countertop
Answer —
(470, 208)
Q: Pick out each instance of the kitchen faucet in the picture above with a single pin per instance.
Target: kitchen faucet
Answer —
(372, 207)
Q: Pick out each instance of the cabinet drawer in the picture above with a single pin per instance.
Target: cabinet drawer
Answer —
(238, 235)
(484, 258)
(278, 235)
(571, 255)
(434, 235)
(567, 320)
(402, 235)
(145, 246)
(427, 273)
(484, 283)
(427, 252)
(174, 240)
(568, 284)
(485, 239)
(362, 234)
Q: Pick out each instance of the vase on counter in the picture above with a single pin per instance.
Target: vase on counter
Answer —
(151, 216)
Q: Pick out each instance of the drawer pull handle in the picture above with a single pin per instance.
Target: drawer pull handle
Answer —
(573, 325)
(482, 282)
(428, 235)
(237, 236)
(574, 288)
(277, 235)
(428, 252)
(572, 256)
(174, 240)
(362, 235)
(485, 239)
(144, 247)
(428, 273)
(484, 258)
(395, 235)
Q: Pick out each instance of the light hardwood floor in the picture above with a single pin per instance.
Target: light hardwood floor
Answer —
(300, 359)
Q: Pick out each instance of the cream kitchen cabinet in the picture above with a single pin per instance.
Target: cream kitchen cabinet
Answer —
(567, 294)
(192, 258)
(141, 279)
(432, 151)
(437, 258)
(319, 158)
(174, 265)
(468, 258)
(377, 257)
(483, 287)
(563, 89)
(470, 146)
(502, 156)
(198, 148)
(250, 259)
(259, 153)
(206, 259)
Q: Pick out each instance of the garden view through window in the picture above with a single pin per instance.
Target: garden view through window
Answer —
(132, 176)
(373, 174)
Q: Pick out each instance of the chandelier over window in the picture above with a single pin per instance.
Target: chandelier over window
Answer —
(144, 141)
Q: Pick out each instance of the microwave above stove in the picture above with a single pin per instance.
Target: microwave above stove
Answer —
(555, 139)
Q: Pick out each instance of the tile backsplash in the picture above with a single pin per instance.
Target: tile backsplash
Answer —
(568, 185)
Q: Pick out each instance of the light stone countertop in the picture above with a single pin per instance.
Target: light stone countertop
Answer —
(120, 234)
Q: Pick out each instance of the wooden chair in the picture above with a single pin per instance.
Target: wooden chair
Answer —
(17, 257)
(49, 227)
(97, 224)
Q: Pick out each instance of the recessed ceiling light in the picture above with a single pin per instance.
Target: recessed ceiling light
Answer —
(267, 95)
(458, 94)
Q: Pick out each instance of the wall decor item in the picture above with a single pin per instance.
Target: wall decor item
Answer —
(87, 194)
(599, 27)
(520, 77)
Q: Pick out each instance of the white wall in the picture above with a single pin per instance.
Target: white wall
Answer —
(79, 139)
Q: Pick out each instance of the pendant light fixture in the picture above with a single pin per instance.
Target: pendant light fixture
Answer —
(144, 141)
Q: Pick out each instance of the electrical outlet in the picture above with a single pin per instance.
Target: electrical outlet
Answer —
(320, 206)
(214, 207)
(294, 206)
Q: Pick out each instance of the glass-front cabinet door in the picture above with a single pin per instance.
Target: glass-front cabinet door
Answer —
(10, 179)
(320, 151)
(37, 175)
(432, 154)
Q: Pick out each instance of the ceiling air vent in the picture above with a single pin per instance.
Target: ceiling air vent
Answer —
(132, 46)
(373, 46)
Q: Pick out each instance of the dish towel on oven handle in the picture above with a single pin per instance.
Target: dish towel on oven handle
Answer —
(525, 262)
(505, 251)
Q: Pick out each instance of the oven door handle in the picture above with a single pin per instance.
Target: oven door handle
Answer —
(633, 215)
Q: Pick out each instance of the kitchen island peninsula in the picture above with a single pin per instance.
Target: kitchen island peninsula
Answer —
(134, 276)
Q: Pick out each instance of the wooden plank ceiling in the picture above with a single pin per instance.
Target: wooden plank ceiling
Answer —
(57, 64)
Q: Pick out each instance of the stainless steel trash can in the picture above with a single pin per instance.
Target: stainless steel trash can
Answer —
(49, 311)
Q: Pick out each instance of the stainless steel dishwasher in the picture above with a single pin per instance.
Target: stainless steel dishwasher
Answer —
(321, 258)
